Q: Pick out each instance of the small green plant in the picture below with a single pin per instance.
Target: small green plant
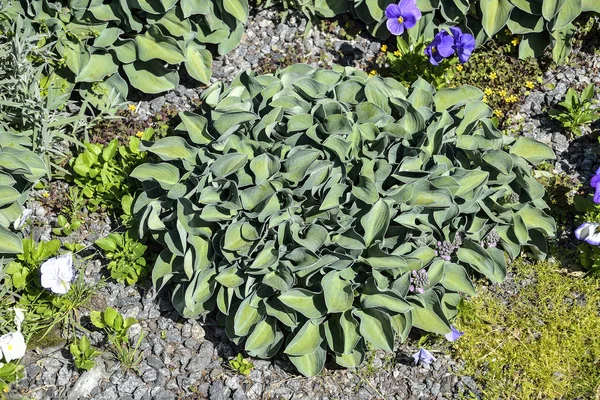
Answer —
(241, 365)
(102, 172)
(83, 354)
(576, 110)
(561, 190)
(117, 328)
(65, 228)
(126, 255)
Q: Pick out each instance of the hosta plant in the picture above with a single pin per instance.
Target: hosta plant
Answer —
(322, 211)
(538, 22)
(104, 47)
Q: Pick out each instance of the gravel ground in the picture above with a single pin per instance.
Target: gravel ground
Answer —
(183, 359)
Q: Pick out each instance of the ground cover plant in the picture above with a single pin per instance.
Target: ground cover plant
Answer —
(539, 341)
(286, 191)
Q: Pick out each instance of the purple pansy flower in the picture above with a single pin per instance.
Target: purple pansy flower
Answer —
(424, 356)
(440, 47)
(464, 44)
(596, 178)
(453, 335)
(588, 231)
(595, 183)
(401, 16)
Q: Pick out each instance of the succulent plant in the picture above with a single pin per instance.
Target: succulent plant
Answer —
(103, 46)
(304, 206)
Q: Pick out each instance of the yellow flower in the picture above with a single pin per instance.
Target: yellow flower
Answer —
(502, 93)
(384, 47)
(139, 134)
(485, 99)
(507, 31)
(498, 113)
(397, 53)
(529, 85)
(493, 75)
(488, 91)
(515, 41)
(45, 195)
(514, 98)
(459, 68)
(131, 107)
(372, 73)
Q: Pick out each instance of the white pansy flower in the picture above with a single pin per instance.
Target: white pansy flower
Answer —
(12, 346)
(18, 224)
(57, 273)
(19, 317)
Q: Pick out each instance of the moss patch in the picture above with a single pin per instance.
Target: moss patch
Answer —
(536, 339)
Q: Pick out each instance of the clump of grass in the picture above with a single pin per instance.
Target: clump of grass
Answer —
(542, 342)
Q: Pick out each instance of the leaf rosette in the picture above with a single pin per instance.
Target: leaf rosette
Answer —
(310, 208)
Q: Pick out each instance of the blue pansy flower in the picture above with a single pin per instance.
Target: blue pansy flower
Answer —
(401, 16)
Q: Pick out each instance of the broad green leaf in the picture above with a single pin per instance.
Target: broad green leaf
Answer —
(167, 175)
(480, 260)
(151, 76)
(376, 328)
(533, 151)
(427, 314)
(8, 195)
(551, 7)
(246, 317)
(307, 303)
(310, 364)
(153, 45)
(9, 242)
(98, 67)
(495, 15)
(306, 340)
(198, 62)
(172, 148)
(237, 8)
(337, 291)
(228, 164)
(262, 335)
(448, 99)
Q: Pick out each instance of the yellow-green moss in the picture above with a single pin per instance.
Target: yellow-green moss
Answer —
(544, 343)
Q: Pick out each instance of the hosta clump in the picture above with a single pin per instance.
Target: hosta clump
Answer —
(102, 43)
(299, 205)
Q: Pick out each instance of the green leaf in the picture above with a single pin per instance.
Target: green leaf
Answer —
(262, 335)
(237, 8)
(551, 7)
(151, 76)
(427, 314)
(533, 151)
(98, 67)
(310, 364)
(198, 62)
(167, 175)
(480, 260)
(448, 99)
(154, 45)
(246, 317)
(8, 195)
(9, 242)
(337, 291)
(228, 164)
(495, 15)
(307, 303)
(306, 340)
(172, 148)
(376, 328)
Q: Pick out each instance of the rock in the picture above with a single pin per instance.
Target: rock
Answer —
(218, 391)
(88, 381)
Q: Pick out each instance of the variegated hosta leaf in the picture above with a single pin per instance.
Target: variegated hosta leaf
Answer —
(321, 211)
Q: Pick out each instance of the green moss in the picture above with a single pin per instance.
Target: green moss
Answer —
(43, 340)
(541, 342)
